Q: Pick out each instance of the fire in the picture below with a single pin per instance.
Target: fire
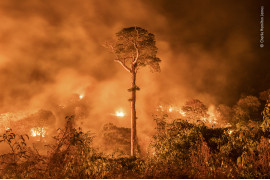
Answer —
(160, 108)
(172, 109)
(38, 132)
(81, 96)
(120, 114)
(183, 113)
(212, 114)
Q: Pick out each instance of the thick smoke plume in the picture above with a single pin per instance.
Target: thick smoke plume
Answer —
(51, 54)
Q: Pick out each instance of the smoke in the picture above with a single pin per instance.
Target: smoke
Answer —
(51, 51)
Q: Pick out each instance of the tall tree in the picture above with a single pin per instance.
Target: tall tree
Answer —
(246, 109)
(134, 48)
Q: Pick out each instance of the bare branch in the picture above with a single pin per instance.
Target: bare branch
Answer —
(123, 64)
(136, 47)
(123, 61)
(137, 54)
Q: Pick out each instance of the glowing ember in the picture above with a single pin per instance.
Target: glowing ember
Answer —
(160, 108)
(203, 118)
(38, 132)
(170, 109)
(182, 112)
(120, 114)
(230, 132)
(81, 96)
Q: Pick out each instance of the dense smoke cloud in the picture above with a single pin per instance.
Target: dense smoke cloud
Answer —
(52, 50)
(215, 46)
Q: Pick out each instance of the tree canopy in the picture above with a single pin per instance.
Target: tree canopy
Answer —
(135, 46)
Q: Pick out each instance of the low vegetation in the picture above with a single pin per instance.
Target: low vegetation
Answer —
(179, 149)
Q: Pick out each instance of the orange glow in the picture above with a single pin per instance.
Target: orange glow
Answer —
(6, 117)
(160, 108)
(119, 114)
(182, 112)
(38, 132)
(81, 96)
(212, 114)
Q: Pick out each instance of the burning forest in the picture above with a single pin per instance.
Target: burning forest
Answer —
(140, 89)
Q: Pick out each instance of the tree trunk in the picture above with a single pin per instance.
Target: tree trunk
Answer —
(133, 113)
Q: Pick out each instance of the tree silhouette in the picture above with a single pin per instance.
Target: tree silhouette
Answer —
(134, 48)
(246, 109)
(195, 111)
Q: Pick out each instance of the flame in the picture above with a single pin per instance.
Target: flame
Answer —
(183, 113)
(160, 108)
(204, 119)
(38, 132)
(212, 114)
(81, 96)
(172, 109)
(120, 114)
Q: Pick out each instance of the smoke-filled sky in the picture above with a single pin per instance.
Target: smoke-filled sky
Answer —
(51, 50)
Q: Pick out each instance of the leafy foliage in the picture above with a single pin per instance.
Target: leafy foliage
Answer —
(135, 47)
(179, 149)
(195, 110)
(133, 40)
(16, 144)
(266, 117)
(246, 109)
(20, 161)
(116, 139)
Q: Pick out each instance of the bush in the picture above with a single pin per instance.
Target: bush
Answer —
(179, 149)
